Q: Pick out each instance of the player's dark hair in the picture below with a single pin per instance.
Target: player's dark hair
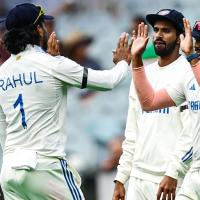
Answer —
(178, 32)
(16, 40)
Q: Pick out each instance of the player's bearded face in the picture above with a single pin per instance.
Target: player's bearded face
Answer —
(162, 48)
(165, 38)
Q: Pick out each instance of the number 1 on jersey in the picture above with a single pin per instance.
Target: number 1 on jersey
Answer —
(19, 102)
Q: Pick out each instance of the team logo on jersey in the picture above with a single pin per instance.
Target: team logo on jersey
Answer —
(192, 87)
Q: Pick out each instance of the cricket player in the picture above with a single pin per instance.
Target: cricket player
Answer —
(184, 88)
(33, 91)
(156, 141)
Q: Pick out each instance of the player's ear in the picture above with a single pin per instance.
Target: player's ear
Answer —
(178, 41)
(40, 30)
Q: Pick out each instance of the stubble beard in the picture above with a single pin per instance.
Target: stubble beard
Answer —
(169, 48)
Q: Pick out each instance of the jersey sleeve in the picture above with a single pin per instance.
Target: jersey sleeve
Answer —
(128, 146)
(179, 162)
(107, 79)
(176, 91)
(76, 75)
(3, 126)
(67, 71)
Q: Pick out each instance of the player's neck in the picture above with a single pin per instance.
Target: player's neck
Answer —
(163, 61)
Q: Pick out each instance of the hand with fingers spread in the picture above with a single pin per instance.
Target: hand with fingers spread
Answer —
(167, 189)
(140, 40)
(53, 45)
(119, 191)
(123, 50)
(186, 41)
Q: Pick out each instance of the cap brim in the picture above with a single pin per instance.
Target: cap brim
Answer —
(152, 18)
(196, 34)
(48, 17)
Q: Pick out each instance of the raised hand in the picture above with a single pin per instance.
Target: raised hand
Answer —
(123, 50)
(186, 41)
(140, 40)
(53, 45)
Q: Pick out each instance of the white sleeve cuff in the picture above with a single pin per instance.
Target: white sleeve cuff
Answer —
(172, 171)
(121, 177)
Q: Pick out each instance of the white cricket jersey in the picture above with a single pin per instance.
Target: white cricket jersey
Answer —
(156, 141)
(33, 91)
(188, 88)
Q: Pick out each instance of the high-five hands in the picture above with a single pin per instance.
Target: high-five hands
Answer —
(53, 46)
(140, 40)
(123, 50)
(186, 41)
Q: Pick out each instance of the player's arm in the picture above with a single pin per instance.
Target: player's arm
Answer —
(179, 162)
(73, 74)
(128, 146)
(182, 156)
(4, 55)
(149, 99)
(108, 79)
(3, 126)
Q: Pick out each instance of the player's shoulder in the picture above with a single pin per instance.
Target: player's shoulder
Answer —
(183, 64)
(50, 60)
(41, 56)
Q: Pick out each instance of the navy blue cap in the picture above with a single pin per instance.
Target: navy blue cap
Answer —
(173, 16)
(196, 30)
(25, 14)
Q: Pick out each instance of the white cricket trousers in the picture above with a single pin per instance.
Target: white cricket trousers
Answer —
(139, 189)
(52, 179)
(190, 189)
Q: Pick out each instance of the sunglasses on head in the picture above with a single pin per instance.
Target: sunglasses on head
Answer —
(42, 12)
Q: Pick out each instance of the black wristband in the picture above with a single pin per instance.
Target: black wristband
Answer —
(84, 80)
(192, 56)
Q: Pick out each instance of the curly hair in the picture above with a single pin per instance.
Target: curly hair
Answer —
(17, 39)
